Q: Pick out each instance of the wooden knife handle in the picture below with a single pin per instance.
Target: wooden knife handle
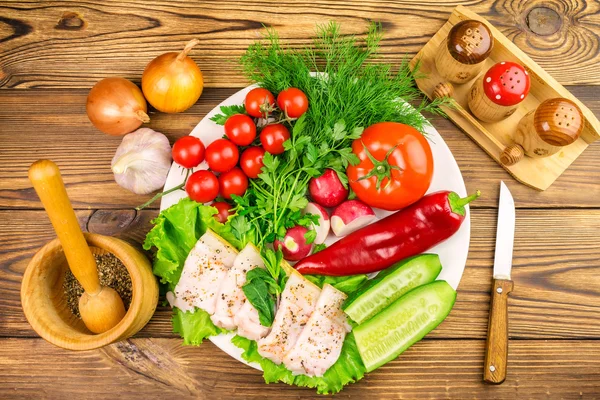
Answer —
(496, 349)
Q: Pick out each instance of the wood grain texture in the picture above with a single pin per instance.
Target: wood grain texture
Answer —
(52, 124)
(557, 276)
(162, 368)
(74, 44)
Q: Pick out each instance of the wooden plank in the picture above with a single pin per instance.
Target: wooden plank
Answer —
(52, 124)
(449, 369)
(556, 271)
(74, 44)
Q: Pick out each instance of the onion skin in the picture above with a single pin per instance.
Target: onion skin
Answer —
(116, 106)
(172, 82)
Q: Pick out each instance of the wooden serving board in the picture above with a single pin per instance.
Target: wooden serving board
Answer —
(494, 137)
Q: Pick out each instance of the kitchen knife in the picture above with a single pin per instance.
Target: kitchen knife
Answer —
(496, 351)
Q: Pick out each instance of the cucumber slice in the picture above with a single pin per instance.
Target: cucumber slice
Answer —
(390, 284)
(405, 322)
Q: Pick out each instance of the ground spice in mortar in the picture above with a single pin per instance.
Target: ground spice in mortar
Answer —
(112, 273)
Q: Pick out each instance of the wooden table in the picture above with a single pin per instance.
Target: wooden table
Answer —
(51, 53)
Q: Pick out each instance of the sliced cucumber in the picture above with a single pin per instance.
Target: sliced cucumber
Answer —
(405, 322)
(390, 284)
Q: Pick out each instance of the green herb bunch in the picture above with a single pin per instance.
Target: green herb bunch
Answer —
(347, 92)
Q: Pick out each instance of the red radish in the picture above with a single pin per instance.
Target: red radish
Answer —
(506, 83)
(294, 246)
(327, 190)
(224, 211)
(350, 216)
(324, 224)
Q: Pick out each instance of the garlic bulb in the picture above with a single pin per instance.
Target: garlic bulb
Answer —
(142, 161)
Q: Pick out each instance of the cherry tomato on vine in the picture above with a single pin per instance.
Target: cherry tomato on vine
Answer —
(188, 151)
(401, 172)
(222, 155)
(240, 129)
(233, 182)
(224, 211)
(259, 102)
(273, 136)
(293, 101)
(251, 161)
(202, 186)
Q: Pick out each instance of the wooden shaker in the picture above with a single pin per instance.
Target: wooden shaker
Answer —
(544, 131)
(460, 58)
(497, 94)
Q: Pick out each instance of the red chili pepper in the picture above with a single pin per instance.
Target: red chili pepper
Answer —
(408, 232)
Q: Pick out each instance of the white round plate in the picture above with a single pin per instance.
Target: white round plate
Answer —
(446, 176)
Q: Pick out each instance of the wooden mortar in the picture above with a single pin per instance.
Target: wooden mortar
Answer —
(544, 131)
(460, 57)
(45, 304)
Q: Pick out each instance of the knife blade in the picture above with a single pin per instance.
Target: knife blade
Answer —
(505, 234)
(496, 352)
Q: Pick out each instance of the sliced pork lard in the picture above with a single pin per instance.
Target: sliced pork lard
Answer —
(297, 303)
(248, 324)
(319, 345)
(231, 297)
(204, 271)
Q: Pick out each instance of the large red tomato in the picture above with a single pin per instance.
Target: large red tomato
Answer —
(395, 166)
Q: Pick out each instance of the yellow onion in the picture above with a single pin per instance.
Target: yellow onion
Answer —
(116, 106)
(173, 82)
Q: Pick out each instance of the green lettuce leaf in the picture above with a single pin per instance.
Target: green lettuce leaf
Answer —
(347, 369)
(194, 326)
(176, 230)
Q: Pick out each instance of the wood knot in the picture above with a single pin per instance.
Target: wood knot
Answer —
(512, 155)
(4, 77)
(443, 89)
(110, 222)
(543, 21)
(70, 21)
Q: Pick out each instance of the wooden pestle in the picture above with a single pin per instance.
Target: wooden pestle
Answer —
(100, 307)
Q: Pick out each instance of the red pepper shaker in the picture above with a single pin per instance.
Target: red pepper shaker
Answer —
(460, 57)
(544, 131)
(497, 94)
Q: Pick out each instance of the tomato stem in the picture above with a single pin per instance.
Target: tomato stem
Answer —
(166, 192)
(381, 169)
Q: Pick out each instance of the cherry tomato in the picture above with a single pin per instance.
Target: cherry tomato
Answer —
(293, 101)
(188, 151)
(222, 155)
(240, 129)
(251, 161)
(398, 180)
(273, 136)
(233, 182)
(202, 186)
(224, 209)
(259, 102)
